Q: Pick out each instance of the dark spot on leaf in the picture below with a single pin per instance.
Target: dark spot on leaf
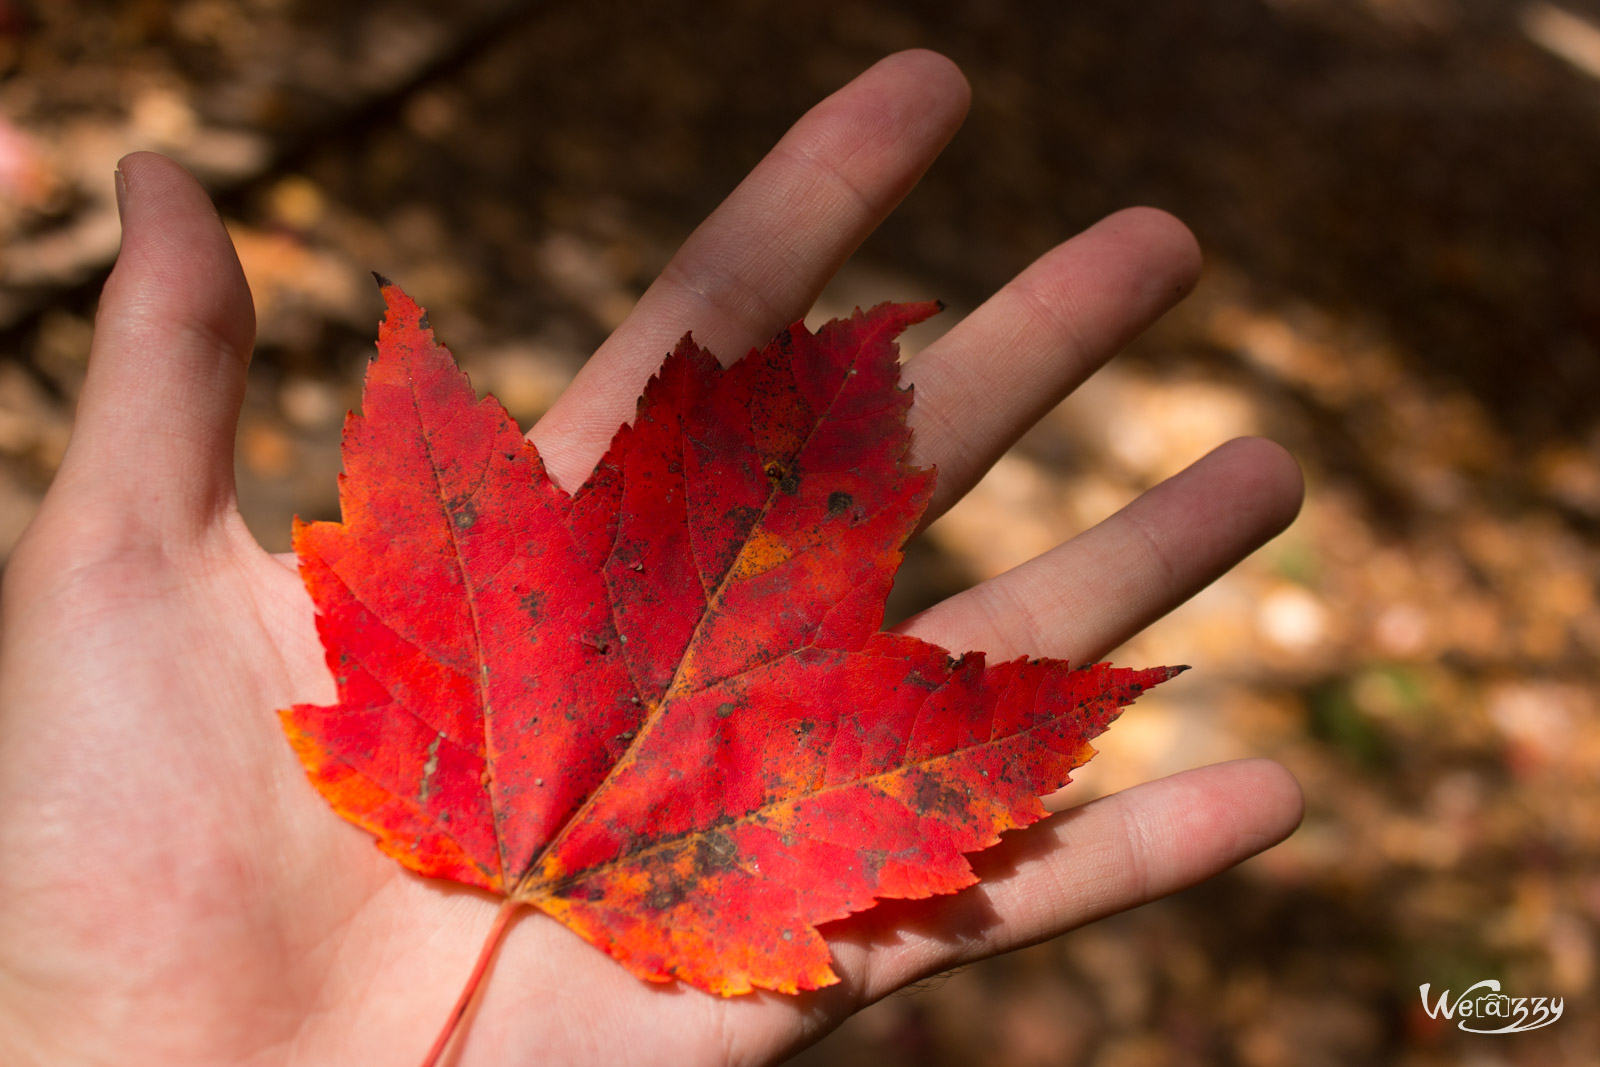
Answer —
(839, 502)
(532, 604)
(721, 848)
(921, 681)
(932, 795)
(423, 321)
(774, 471)
(741, 515)
(726, 708)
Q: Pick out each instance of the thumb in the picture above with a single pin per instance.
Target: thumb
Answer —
(156, 420)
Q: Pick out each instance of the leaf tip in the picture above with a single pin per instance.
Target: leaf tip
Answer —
(383, 282)
(911, 314)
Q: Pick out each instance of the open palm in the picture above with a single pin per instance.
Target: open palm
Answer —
(174, 892)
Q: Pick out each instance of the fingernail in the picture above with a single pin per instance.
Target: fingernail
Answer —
(122, 192)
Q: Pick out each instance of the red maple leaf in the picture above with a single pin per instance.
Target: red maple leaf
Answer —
(660, 709)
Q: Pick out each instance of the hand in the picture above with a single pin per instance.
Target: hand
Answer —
(172, 890)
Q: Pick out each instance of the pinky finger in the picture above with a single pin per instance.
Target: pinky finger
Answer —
(1105, 857)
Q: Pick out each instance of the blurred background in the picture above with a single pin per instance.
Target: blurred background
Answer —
(1398, 202)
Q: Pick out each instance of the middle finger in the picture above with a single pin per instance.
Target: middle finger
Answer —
(999, 370)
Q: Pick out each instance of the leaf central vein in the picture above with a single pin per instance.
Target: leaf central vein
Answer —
(675, 688)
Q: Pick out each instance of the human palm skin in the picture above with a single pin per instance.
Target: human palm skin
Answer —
(176, 893)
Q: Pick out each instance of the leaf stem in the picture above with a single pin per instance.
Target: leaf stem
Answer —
(497, 934)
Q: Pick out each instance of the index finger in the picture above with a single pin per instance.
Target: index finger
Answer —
(758, 262)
